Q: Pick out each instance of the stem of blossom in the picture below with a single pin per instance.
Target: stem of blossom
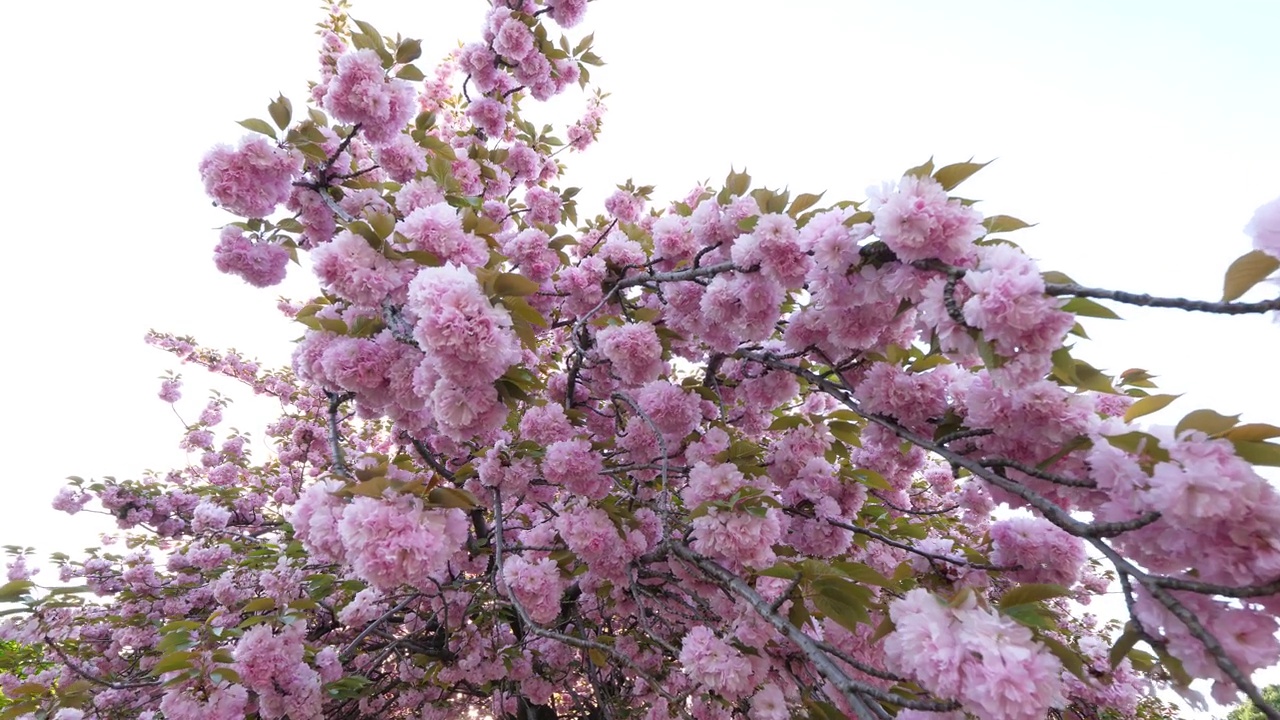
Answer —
(851, 689)
(350, 649)
(79, 670)
(922, 553)
(1000, 463)
(1194, 625)
(1144, 300)
(662, 444)
(335, 438)
(1051, 512)
(580, 643)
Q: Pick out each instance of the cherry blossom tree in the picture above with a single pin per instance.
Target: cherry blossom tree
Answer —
(739, 454)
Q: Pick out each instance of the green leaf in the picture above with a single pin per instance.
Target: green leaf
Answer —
(1248, 270)
(842, 601)
(452, 498)
(952, 175)
(583, 44)
(411, 73)
(1148, 405)
(1258, 453)
(408, 50)
(1139, 443)
(803, 202)
(372, 32)
(863, 573)
(1035, 592)
(921, 171)
(179, 660)
(1003, 223)
(1070, 658)
(259, 126)
(1030, 614)
(507, 284)
(12, 591)
(846, 432)
(1089, 308)
(1124, 644)
(1053, 277)
(781, 570)
(1252, 432)
(737, 182)
(262, 604)
(281, 111)
(1207, 422)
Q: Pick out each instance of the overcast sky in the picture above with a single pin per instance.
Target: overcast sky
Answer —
(1140, 136)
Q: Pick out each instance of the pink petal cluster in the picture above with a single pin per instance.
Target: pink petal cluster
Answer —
(221, 702)
(361, 93)
(271, 664)
(537, 585)
(1264, 228)
(574, 465)
(1045, 552)
(349, 268)
(468, 343)
(1009, 306)
(437, 229)
(919, 222)
(988, 662)
(252, 180)
(634, 351)
(261, 264)
(715, 664)
(739, 538)
(402, 158)
(397, 541)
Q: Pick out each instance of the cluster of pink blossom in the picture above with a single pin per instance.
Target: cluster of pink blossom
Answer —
(918, 221)
(990, 663)
(360, 93)
(693, 459)
(253, 180)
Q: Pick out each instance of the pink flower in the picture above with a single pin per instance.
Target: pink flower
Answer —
(402, 158)
(361, 93)
(715, 664)
(1046, 553)
(634, 351)
(624, 205)
(739, 538)
(253, 180)
(537, 585)
(396, 541)
(567, 13)
(1264, 228)
(351, 269)
(466, 336)
(544, 206)
(488, 115)
(437, 229)
(576, 466)
(260, 264)
(918, 221)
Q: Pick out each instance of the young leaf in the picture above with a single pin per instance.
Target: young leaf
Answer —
(952, 175)
(1248, 270)
(1148, 405)
(259, 126)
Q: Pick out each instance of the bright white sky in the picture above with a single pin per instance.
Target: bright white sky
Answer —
(1139, 135)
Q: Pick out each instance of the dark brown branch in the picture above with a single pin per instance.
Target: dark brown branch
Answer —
(1144, 300)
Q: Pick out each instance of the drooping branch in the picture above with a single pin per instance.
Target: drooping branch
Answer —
(853, 692)
(1144, 300)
